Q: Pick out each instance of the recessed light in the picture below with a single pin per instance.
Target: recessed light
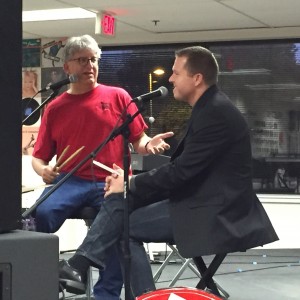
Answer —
(57, 14)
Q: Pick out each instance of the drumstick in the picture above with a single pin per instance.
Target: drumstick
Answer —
(99, 164)
(61, 157)
(68, 159)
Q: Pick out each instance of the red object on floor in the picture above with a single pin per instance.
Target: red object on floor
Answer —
(179, 293)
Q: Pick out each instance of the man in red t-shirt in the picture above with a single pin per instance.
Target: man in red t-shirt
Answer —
(82, 118)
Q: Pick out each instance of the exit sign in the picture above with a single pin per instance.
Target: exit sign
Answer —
(108, 25)
(105, 24)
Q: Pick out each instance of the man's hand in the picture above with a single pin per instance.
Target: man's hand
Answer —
(43, 169)
(114, 183)
(49, 174)
(157, 144)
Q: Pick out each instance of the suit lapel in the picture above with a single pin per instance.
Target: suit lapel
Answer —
(200, 103)
(180, 145)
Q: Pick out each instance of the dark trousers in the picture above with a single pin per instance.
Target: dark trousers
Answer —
(147, 224)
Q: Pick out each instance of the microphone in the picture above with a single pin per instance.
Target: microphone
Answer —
(57, 85)
(160, 92)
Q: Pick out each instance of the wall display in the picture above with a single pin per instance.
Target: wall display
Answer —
(51, 52)
(50, 76)
(31, 49)
(31, 98)
(31, 82)
(29, 135)
(42, 66)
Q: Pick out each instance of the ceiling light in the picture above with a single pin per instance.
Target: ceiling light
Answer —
(273, 86)
(246, 72)
(57, 14)
(159, 72)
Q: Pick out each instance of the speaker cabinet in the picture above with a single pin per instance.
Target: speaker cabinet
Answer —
(28, 266)
(10, 114)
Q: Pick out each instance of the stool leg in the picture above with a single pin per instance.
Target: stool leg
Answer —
(208, 273)
(184, 260)
(164, 264)
(181, 270)
(89, 284)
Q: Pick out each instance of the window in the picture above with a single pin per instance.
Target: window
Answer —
(261, 78)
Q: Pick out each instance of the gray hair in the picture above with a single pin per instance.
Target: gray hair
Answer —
(78, 43)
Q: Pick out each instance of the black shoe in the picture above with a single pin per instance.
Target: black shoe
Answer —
(71, 279)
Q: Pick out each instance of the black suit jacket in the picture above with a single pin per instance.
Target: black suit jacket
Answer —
(209, 179)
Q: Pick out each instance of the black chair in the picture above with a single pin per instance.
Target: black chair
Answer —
(88, 214)
(185, 263)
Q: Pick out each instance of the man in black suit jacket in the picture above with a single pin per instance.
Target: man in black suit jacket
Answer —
(211, 206)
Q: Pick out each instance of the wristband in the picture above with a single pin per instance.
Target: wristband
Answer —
(147, 145)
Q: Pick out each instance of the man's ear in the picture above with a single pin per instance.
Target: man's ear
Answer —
(66, 68)
(198, 78)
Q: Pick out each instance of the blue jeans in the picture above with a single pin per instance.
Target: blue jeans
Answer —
(147, 224)
(73, 194)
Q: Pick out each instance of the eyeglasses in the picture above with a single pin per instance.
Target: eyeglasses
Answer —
(83, 61)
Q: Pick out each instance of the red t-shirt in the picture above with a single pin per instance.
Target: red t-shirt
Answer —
(87, 120)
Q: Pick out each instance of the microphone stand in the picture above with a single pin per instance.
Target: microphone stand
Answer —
(126, 253)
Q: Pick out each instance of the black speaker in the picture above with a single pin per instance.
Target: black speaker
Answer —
(28, 266)
(10, 113)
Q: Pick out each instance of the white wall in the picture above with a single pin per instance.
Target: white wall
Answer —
(283, 210)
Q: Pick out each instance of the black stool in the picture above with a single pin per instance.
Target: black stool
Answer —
(207, 273)
(88, 214)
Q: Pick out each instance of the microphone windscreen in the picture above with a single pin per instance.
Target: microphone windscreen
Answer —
(73, 78)
(164, 91)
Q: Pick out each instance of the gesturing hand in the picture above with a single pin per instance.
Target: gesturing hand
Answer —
(157, 144)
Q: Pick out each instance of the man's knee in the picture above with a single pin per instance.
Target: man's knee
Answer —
(45, 220)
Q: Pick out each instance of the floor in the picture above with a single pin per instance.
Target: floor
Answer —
(256, 274)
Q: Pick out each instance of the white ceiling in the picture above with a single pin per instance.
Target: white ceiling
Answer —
(179, 20)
